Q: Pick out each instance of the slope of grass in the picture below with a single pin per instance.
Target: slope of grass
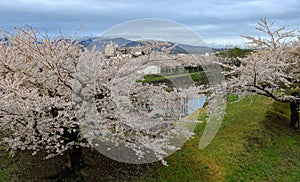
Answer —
(254, 143)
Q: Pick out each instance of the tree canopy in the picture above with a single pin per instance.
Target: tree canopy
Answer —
(272, 69)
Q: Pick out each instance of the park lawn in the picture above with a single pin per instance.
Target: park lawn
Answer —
(195, 76)
(254, 143)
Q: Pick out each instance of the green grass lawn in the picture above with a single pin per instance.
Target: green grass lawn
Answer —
(254, 143)
(195, 76)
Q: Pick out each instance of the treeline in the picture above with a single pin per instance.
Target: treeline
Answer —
(233, 54)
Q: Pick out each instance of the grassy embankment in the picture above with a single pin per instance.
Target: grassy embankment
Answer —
(254, 143)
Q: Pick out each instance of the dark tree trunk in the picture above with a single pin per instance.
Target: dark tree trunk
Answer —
(73, 164)
(294, 117)
(74, 159)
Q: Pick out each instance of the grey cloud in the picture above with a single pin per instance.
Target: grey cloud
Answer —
(214, 20)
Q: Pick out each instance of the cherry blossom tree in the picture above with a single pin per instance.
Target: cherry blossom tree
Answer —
(58, 97)
(36, 94)
(272, 69)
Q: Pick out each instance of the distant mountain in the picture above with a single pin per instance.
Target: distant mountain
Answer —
(196, 49)
(101, 43)
(176, 50)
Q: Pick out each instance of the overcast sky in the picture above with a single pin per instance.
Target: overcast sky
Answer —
(216, 21)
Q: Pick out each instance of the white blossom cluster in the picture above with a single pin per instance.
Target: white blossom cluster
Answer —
(35, 92)
(55, 94)
(272, 69)
(138, 120)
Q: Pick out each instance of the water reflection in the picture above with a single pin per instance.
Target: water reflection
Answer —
(183, 77)
(191, 105)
